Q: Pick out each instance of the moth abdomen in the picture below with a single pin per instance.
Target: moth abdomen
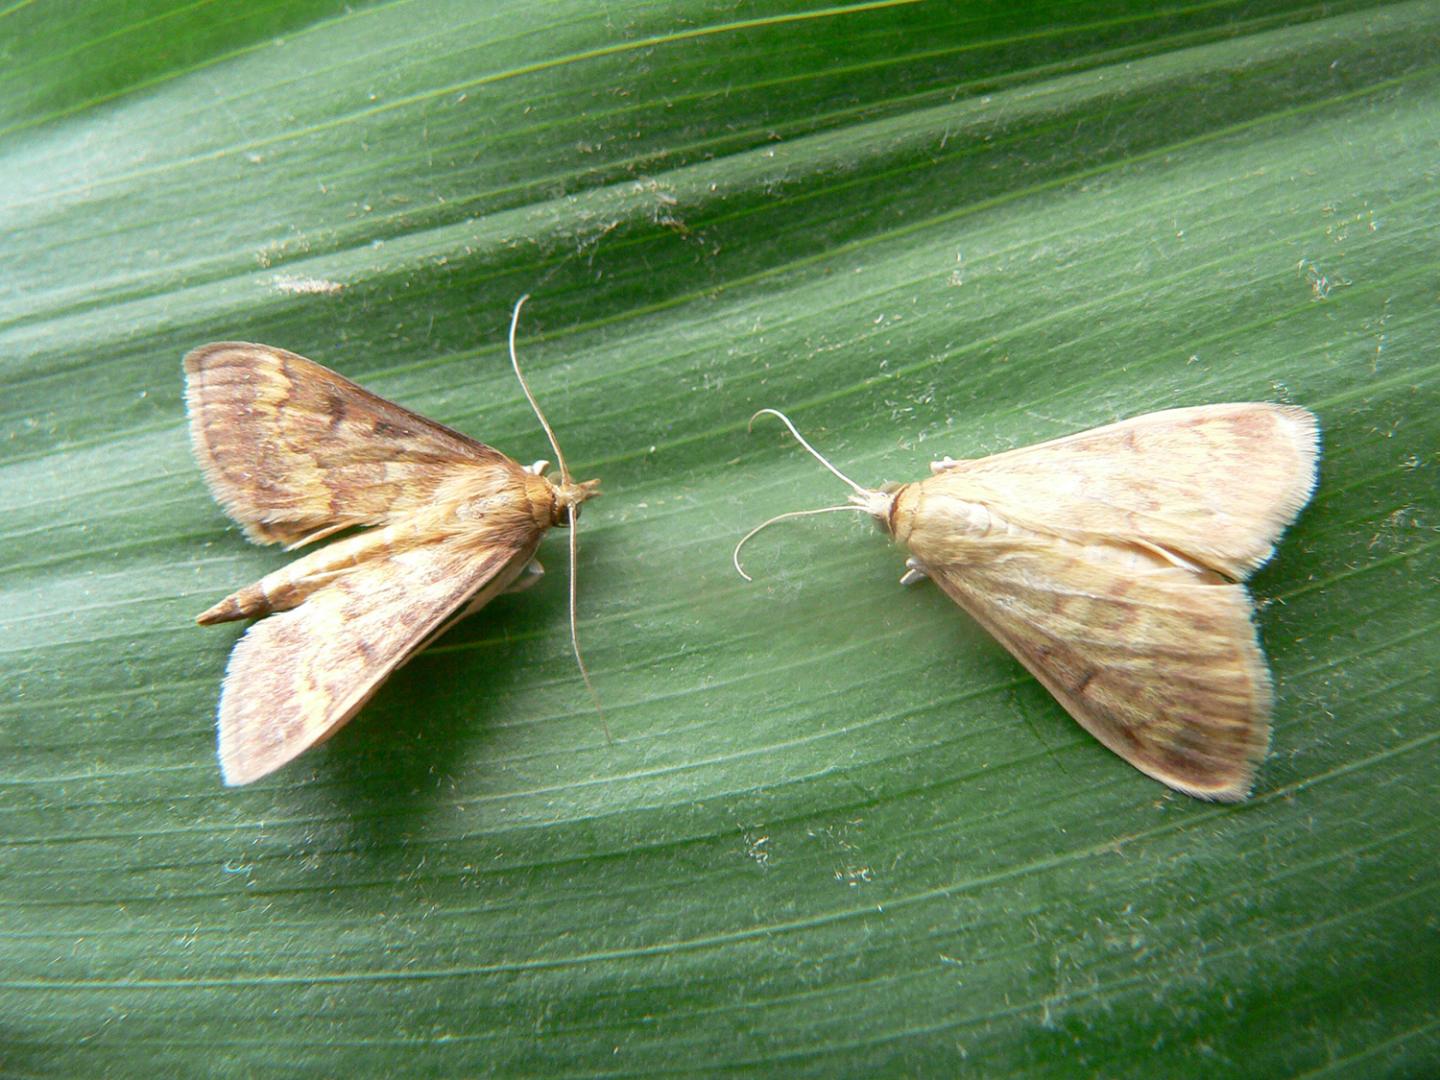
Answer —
(235, 606)
(288, 586)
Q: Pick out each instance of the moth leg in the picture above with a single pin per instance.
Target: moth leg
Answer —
(532, 573)
(913, 572)
(540, 468)
(947, 462)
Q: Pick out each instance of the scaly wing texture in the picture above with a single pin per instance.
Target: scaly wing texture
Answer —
(297, 676)
(1158, 662)
(291, 449)
(1216, 484)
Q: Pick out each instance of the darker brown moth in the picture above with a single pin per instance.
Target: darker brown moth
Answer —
(294, 453)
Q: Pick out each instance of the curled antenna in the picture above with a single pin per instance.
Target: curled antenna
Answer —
(864, 500)
(515, 363)
(801, 440)
(735, 556)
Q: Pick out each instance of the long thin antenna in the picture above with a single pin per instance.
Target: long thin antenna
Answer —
(515, 363)
(735, 556)
(574, 629)
(574, 514)
(801, 440)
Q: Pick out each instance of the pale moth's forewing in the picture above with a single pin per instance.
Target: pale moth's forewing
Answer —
(292, 450)
(297, 676)
(1215, 484)
(1158, 663)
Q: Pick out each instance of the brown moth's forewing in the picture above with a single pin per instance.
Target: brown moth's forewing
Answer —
(1110, 564)
(290, 448)
(295, 452)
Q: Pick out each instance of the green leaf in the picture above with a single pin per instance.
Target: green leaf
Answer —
(837, 830)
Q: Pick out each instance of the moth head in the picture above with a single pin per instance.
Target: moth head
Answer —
(568, 497)
(878, 504)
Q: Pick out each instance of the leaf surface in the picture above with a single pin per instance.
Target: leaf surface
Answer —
(838, 830)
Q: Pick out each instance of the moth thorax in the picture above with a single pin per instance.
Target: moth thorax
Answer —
(540, 499)
(928, 515)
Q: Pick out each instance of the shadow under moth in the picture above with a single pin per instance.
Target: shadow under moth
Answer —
(1110, 564)
(295, 453)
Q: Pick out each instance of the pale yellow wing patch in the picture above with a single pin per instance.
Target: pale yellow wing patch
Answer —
(1215, 484)
(297, 676)
(290, 449)
(1159, 663)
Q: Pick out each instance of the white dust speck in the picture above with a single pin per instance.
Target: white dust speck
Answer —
(306, 286)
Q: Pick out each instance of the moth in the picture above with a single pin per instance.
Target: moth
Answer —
(295, 453)
(1111, 564)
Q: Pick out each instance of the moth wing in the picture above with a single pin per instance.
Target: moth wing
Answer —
(292, 450)
(297, 676)
(1158, 662)
(1216, 484)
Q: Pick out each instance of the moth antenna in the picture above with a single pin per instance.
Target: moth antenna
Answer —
(574, 630)
(735, 556)
(515, 363)
(574, 513)
(801, 440)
